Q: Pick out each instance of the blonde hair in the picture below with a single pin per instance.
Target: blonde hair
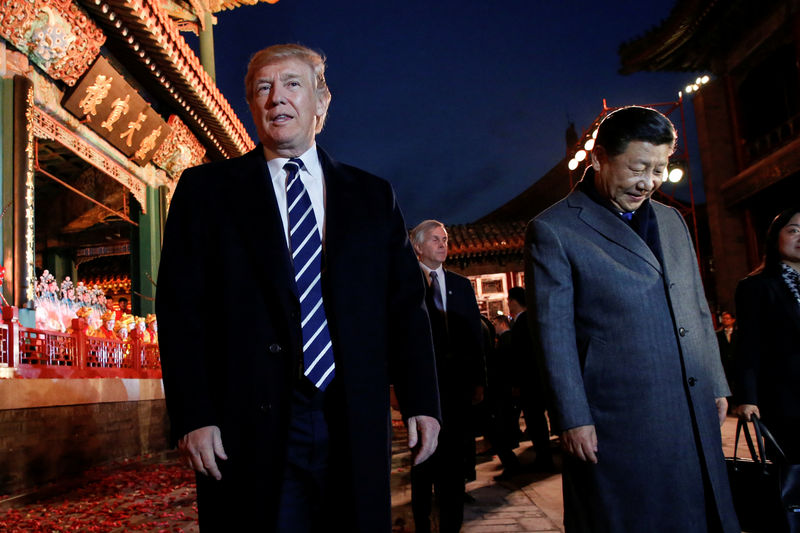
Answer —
(278, 52)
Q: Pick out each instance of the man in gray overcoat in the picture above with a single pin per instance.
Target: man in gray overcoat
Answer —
(627, 343)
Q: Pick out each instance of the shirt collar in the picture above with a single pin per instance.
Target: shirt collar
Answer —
(310, 160)
(439, 271)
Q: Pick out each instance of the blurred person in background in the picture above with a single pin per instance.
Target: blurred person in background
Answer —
(768, 354)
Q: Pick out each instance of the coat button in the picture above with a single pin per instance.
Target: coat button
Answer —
(275, 348)
(692, 381)
(682, 332)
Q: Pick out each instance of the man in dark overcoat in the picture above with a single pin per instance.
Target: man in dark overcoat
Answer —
(276, 396)
(456, 326)
(628, 345)
(528, 381)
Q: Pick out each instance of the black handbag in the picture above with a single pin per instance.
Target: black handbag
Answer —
(766, 494)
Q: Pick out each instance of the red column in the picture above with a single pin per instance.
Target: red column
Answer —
(11, 319)
(79, 330)
(136, 349)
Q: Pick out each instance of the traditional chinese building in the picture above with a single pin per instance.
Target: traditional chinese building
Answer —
(490, 251)
(102, 106)
(748, 116)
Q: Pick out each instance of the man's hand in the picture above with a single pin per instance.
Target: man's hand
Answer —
(722, 409)
(747, 410)
(423, 436)
(581, 442)
(200, 448)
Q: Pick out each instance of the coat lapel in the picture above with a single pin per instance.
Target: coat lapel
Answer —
(449, 283)
(611, 227)
(672, 249)
(339, 199)
(261, 220)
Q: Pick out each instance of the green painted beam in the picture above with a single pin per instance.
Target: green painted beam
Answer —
(145, 255)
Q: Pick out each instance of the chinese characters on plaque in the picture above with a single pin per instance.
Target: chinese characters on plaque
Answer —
(115, 111)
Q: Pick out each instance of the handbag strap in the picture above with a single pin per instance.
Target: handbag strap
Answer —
(759, 441)
(740, 426)
(762, 431)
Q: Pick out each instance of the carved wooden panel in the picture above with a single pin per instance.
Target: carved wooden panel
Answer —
(180, 150)
(48, 128)
(55, 34)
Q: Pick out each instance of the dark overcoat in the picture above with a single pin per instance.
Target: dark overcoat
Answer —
(461, 366)
(628, 345)
(768, 355)
(462, 361)
(231, 341)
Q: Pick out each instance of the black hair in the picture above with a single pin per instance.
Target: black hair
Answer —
(772, 256)
(634, 123)
(517, 294)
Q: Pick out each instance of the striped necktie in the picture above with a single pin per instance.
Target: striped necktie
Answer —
(306, 247)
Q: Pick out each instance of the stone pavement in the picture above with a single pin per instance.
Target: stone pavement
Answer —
(155, 494)
(529, 502)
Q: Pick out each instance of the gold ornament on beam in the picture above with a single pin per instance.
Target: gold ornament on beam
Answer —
(148, 143)
(133, 127)
(95, 94)
(119, 107)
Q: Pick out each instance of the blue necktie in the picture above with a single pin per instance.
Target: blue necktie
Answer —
(436, 292)
(627, 216)
(306, 247)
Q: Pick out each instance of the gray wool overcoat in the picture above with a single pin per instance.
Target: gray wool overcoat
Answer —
(628, 345)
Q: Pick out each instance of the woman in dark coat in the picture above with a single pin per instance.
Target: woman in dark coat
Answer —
(768, 309)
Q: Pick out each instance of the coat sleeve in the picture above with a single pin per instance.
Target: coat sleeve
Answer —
(549, 293)
(751, 309)
(411, 359)
(183, 284)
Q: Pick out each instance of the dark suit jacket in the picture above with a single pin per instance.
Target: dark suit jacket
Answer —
(460, 367)
(527, 367)
(231, 340)
(461, 362)
(768, 347)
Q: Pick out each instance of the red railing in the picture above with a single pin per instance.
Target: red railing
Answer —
(33, 353)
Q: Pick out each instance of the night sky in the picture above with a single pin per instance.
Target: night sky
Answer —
(460, 104)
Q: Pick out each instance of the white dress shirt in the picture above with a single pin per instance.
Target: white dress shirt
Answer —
(440, 277)
(313, 180)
